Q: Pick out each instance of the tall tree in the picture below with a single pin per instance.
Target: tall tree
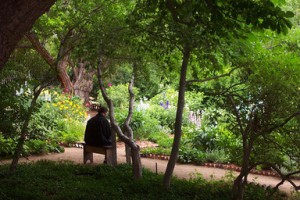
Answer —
(199, 28)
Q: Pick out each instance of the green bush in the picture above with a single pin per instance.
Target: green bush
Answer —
(7, 145)
(141, 123)
(162, 139)
(119, 95)
(165, 117)
(191, 155)
(71, 131)
(217, 156)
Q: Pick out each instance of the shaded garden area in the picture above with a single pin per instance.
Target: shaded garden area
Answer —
(63, 180)
(210, 82)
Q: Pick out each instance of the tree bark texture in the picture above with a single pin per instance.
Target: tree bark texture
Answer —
(178, 121)
(128, 129)
(16, 18)
(34, 40)
(83, 81)
(135, 149)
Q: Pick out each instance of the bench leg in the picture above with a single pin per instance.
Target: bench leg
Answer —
(87, 156)
(109, 156)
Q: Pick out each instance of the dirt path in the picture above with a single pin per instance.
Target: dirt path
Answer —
(181, 170)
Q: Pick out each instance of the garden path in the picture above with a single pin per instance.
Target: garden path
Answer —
(181, 170)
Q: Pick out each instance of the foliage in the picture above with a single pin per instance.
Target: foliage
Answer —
(118, 94)
(41, 147)
(165, 117)
(141, 123)
(70, 131)
(194, 100)
(7, 145)
(162, 139)
(67, 106)
(60, 119)
(91, 182)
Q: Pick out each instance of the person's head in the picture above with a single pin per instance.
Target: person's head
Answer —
(102, 110)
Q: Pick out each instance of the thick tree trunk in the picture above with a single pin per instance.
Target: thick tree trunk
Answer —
(178, 122)
(16, 18)
(22, 138)
(83, 81)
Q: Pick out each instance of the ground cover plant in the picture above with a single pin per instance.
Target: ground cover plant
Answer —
(66, 180)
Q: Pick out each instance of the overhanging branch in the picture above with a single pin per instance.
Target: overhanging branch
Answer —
(212, 78)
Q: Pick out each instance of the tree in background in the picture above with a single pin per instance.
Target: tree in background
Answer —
(201, 28)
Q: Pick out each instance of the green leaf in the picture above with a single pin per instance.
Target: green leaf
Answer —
(289, 14)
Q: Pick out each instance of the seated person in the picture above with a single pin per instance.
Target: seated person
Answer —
(97, 132)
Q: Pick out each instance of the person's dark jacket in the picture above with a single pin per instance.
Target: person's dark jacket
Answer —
(97, 132)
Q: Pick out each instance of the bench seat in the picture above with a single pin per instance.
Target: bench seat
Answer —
(88, 151)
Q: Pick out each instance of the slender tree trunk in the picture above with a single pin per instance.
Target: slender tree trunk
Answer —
(128, 129)
(16, 18)
(178, 122)
(241, 180)
(22, 138)
(135, 149)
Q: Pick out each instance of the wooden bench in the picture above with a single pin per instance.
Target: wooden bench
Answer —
(88, 151)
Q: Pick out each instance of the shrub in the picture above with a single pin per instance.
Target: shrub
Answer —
(119, 95)
(7, 145)
(217, 156)
(71, 131)
(165, 117)
(162, 139)
(141, 123)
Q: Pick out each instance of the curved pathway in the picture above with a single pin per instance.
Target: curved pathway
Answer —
(186, 171)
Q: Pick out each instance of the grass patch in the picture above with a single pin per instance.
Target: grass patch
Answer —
(66, 180)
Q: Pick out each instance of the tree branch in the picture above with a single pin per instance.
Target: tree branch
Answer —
(37, 45)
(213, 78)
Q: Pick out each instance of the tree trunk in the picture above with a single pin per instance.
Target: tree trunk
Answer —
(22, 138)
(83, 81)
(16, 18)
(135, 149)
(63, 75)
(128, 129)
(178, 122)
(241, 180)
